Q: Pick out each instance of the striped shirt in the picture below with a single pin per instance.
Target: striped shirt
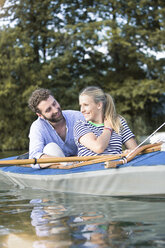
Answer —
(115, 143)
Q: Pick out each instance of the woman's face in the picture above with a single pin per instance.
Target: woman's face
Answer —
(92, 111)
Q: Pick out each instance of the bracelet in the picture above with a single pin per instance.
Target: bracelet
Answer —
(108, 128)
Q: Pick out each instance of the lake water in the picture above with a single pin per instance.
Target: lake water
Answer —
(40, 219)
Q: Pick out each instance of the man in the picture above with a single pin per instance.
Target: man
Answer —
(52, 133)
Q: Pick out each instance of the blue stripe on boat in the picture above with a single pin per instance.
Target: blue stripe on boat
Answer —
(150, 159)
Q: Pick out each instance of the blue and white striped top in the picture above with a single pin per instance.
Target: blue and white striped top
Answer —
(115, 144)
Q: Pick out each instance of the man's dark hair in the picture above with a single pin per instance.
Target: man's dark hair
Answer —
(36, 97)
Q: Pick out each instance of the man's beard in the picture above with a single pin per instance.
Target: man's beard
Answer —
(55, 117)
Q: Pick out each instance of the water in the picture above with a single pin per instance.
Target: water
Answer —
(39, 219)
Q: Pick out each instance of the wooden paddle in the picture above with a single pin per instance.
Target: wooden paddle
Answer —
(88, 159)
(106, 158)
(99, 159)
(111, 164)
(58, 159)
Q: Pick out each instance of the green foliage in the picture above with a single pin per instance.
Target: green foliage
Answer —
(56, 45)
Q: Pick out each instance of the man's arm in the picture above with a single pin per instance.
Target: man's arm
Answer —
(36, 140)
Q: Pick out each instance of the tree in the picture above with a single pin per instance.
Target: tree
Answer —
(58, 45)
(135, 76)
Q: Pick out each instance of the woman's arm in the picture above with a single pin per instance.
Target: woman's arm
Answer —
(94, 143)
(130, 144)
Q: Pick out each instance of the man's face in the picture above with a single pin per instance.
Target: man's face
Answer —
(50, 110)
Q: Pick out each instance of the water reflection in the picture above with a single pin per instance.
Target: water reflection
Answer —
(85, 230)
(47, 220)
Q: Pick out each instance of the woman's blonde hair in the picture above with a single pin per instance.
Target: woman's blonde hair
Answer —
(109, 110)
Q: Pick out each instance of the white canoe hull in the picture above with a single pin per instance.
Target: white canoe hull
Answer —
(128, 181)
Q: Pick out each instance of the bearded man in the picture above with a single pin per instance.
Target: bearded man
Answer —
(52, 133)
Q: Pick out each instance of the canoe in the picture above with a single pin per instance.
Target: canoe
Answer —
(143, 175)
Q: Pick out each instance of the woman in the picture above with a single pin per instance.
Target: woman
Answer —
(104, 131)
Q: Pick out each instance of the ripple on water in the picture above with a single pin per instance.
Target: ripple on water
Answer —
(43, 219)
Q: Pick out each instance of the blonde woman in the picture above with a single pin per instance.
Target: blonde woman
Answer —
(104, 131)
